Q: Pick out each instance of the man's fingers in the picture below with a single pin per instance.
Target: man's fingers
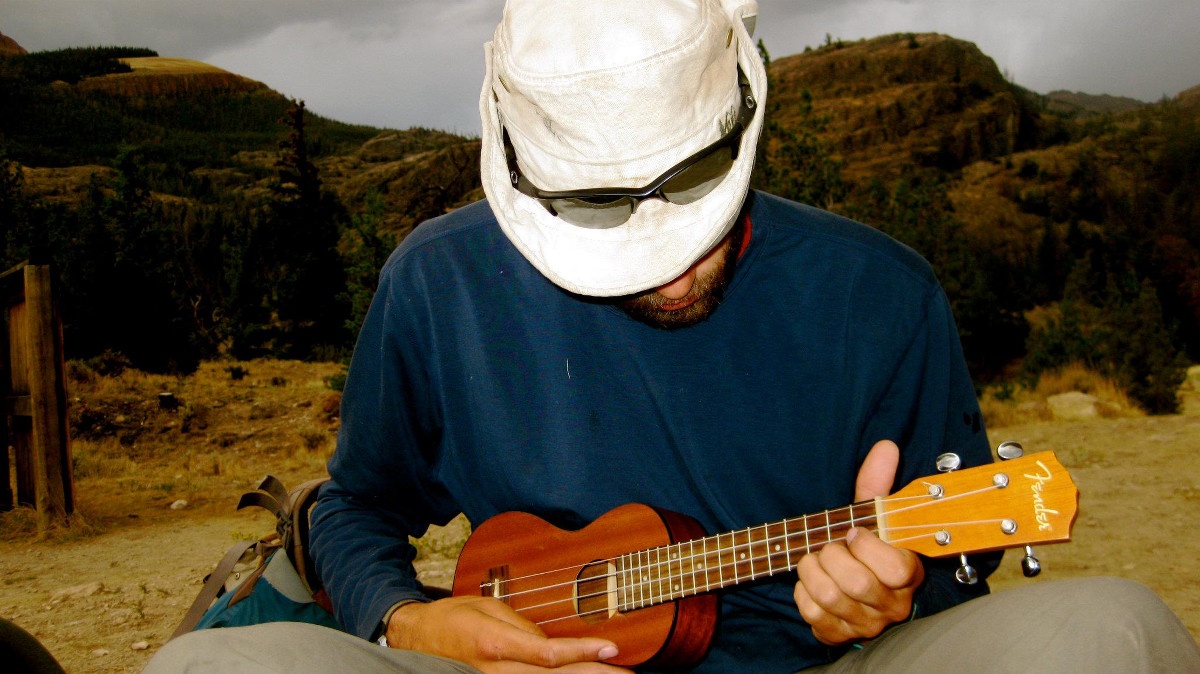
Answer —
(878, 471)
(494, 638)
(552, 653)
(893, 567)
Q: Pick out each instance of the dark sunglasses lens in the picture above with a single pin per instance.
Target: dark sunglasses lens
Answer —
(594, 212)
(700, 178)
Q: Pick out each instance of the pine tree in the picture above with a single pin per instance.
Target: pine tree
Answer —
(293, 278)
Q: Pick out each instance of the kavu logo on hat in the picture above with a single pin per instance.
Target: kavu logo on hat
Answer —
(619, 136)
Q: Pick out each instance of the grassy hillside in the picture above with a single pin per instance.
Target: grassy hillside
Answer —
(1062, 226)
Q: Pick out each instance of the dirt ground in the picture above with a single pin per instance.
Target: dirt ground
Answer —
(104, 595)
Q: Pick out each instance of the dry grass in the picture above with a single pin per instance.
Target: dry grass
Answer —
(163, 65)
(1011, 404)
(133, 457)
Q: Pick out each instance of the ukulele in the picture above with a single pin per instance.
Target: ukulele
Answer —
(644, 577)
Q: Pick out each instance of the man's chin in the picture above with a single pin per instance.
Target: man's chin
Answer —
(671, 319)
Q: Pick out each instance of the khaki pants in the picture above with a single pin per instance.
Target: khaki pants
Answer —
(1090, 625)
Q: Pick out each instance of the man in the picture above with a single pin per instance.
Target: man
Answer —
(624, 321)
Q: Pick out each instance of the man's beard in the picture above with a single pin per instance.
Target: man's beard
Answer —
(708, 291)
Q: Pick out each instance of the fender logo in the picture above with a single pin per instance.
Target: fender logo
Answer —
(1040, 511)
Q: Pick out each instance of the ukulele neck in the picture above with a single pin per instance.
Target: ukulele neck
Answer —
(679, 570)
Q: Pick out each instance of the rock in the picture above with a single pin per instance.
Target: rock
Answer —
(1073, 405)
(179, 505)
(76, 592)
(139, 646)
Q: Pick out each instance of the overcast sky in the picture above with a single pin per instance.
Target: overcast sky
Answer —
(403, 63)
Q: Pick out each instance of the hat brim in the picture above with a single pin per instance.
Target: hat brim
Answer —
(658, 243)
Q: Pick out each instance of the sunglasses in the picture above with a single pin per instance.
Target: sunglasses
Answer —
(683, 183)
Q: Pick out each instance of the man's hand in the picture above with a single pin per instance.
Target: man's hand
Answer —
(488, 635)
(854, 590)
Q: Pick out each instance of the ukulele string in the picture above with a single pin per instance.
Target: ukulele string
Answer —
(659, 579)
(644, 582)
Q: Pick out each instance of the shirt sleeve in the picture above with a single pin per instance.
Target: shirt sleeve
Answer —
(384, 487)
(930, 408)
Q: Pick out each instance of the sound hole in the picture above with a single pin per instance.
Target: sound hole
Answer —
(596, 592)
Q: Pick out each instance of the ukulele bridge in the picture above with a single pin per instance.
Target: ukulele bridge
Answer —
(497, 578)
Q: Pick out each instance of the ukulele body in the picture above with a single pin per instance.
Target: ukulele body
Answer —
(569, 582)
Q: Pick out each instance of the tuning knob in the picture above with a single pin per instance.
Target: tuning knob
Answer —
(1030, 566)
(965, 574)
(1010, 450)
(947, 462)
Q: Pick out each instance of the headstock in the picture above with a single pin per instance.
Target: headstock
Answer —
(1023, 501)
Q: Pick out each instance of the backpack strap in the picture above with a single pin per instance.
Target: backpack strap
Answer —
(292, 526)
(302, 500)
(213, 585)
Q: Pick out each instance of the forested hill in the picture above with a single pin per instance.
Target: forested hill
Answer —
(1064, 226)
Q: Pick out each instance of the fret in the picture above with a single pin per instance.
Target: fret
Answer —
(677, 572)
(746, 558)
(768, 545)
(808, 543)
(732, 548)
(691, 558)
(621, 586)
(658, 577)
(643, 577)
(787, 544)
(707, 567)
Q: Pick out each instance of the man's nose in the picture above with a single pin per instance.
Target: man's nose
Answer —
(680, 287)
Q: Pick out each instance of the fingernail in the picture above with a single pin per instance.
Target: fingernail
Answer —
(851, 535)
(608, 652)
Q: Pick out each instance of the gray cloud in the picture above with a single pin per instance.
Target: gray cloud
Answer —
(401, 63)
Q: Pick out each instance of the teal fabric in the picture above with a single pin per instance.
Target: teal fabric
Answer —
(266, 604)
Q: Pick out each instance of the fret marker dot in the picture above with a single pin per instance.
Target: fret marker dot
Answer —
(676, 588)
(776, 547)
(743, 555)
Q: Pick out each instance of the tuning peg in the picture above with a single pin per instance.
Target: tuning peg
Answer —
(1030, 566)
(965, 574)
(1010, 450)
(947, 462)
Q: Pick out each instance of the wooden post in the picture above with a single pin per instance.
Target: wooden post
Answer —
(6, 490)
(48, 399)
(34, 396)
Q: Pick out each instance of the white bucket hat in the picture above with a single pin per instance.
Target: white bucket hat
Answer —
(612, 93)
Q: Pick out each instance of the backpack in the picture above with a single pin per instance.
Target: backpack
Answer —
(272, 579)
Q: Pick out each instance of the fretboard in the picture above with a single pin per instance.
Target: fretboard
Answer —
(671, 572)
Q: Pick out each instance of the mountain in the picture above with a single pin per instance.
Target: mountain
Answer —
(157, 76)
(9, 47)
(1027, 205)
(1079, 103)
(896, 99)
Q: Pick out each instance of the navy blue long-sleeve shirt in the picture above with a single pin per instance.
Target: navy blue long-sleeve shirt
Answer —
(478, 386)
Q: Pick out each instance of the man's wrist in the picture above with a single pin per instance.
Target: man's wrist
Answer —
(382, 640)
